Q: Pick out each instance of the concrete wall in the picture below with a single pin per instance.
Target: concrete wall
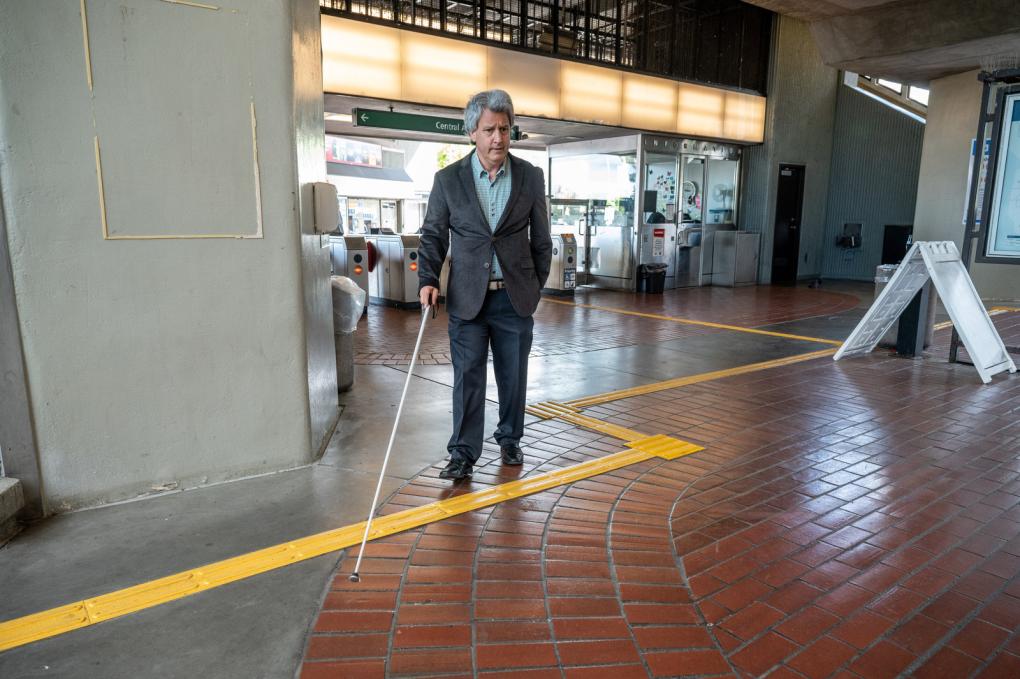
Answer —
(155, 353)
(876, 157)
(18, 453)
(798, 130)
(942, 184)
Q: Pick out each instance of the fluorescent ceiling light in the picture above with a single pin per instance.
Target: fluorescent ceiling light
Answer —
(342, 117)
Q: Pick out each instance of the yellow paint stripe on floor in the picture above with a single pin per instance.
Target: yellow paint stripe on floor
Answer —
(994, 311)
(693, 379)
(688, 321)
(25, 630)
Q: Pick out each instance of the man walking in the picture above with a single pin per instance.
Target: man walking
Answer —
(489, 211)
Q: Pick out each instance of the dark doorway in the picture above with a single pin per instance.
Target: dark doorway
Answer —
(895, 242)
(786, 238)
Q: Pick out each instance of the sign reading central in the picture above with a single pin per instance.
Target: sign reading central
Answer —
(365, 117)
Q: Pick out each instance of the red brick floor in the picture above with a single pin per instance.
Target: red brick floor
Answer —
(859, 518)
(386, 336)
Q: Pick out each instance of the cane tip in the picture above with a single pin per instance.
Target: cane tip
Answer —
(354, 577)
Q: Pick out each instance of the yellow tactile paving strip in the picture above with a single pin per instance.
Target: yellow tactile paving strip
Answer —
(689, 321)
(56, 621)
(25, 630)
(548, 410)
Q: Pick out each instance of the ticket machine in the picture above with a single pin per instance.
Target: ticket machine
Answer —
(349, 257)
(563, 270)
(395, 279)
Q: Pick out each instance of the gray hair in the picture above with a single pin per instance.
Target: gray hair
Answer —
(497, 101)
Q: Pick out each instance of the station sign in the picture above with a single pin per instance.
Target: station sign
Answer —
(412, 122)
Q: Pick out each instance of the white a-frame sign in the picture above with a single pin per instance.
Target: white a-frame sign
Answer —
(940, 261)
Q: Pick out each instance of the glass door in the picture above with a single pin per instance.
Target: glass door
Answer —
(601, 188)
(657, 231)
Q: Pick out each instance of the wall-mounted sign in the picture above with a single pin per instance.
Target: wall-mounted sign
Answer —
(391, 120)
(1003, 237)
(351, 152)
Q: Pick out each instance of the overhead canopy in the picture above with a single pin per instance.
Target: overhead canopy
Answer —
(355, 181)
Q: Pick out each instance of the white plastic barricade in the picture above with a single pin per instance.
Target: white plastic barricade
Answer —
(940, 261)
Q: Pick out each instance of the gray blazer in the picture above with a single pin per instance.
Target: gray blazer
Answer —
(455, 222)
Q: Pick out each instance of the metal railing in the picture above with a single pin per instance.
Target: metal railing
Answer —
(718, 42)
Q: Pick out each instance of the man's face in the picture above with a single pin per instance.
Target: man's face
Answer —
(492, 139)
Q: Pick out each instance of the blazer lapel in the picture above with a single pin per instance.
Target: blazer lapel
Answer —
(468, 182)
(516, 184)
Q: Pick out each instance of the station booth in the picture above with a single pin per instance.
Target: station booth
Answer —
(636, 212)
(641, 203)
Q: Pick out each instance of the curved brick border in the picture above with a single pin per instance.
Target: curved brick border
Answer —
(857, 519)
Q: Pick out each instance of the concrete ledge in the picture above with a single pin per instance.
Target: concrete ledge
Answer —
(12, 499)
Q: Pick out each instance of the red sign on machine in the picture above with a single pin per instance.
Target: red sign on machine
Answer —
(659, 233)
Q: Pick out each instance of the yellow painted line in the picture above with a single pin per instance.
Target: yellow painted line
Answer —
(25, 630)
(587, 401)
(994, 311)
(688, 321)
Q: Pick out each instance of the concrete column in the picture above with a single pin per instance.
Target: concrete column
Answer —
(798, 130)
(953, 106)
(173, 302)
(18, 452)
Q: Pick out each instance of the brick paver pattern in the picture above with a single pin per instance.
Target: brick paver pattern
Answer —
(859, 518)
(386, 336)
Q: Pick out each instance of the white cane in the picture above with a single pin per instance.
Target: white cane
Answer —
(393, 435)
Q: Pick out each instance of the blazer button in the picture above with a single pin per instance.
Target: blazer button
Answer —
(486, 265)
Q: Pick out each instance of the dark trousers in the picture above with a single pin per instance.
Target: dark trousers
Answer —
(497, 325)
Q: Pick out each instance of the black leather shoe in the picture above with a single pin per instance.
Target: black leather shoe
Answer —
(456, 470)
(511, 454)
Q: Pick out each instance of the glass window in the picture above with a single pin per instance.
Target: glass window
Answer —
(692, 191)
(1004, 225)
(720, 192)
(660, 183)
(363, 215)
(894, 86)
(920, 95)
(609, 178)
(603, 176)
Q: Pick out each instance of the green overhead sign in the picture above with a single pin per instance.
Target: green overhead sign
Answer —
(365, 117)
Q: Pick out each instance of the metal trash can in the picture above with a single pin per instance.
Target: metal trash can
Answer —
(348, 304)
(652, 278)
(883, 274)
